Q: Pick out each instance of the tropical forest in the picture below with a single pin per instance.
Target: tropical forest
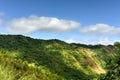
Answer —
(25, 58)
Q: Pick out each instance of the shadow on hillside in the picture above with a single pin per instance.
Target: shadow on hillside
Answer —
(54, 64)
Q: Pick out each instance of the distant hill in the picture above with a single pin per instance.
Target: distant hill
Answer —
(25, 58)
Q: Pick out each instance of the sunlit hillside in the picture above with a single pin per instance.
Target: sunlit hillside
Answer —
(25, 58)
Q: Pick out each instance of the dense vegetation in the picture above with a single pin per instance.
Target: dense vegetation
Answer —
(24, 58)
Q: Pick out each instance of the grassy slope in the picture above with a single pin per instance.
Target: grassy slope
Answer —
(24, 58)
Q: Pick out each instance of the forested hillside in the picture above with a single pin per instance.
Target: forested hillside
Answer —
(25, 58)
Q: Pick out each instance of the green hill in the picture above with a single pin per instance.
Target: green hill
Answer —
(25, 58)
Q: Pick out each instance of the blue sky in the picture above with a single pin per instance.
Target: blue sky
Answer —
(80, 21)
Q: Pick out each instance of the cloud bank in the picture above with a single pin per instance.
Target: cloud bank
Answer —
(104, 41)
(31, 24)
(71, 40)
(34, 23)
(91, 34)
(102, 29)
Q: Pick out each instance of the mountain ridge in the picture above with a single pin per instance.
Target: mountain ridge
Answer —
(54, 58)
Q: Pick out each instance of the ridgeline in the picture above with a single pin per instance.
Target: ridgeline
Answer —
(25, 58)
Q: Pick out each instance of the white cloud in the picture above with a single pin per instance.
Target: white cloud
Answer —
(35, 23)
(100, 29)
(71, 40)
(102, 40)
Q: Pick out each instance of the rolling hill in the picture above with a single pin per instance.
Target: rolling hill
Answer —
(25, 58)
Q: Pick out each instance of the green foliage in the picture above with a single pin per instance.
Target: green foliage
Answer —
(24, 58)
